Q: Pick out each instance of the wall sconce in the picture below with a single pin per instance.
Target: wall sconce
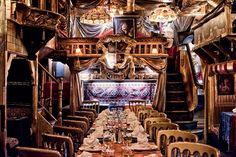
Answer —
(154, 50)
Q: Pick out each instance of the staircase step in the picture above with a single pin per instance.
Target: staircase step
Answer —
(176, 105)
(198, 132)
(187, 125)
(178, 115)
(174, 86)
(175, 92)
(174, 77)
(175, 101)
(175, 96)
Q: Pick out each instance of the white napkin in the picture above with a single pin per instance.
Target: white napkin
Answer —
(97, 133)
(91, 141)
(85, 154)
(138, 129)
(142, 138)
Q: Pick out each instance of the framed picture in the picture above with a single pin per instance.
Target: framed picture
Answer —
(125, 25)
(225, 84)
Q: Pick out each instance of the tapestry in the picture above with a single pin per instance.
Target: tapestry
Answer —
(118, 92)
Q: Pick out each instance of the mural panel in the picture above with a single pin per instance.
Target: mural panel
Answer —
(118, 92)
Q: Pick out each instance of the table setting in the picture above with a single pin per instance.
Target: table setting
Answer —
(117, 133)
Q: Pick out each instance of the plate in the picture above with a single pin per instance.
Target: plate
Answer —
(91, 149)
(143, 147)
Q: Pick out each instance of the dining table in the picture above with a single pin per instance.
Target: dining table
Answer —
(139, 147)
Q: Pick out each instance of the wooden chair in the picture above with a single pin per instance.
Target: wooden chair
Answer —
(91, 105)
(155, 127)
(135, 104)
(63, 144)
(157, 114)
(76, 134)
(142, 115)
(77, 124)
(193, 149)
(149, 121)
(36, 152)
(79, 118)
(89, 114)
(165, 137)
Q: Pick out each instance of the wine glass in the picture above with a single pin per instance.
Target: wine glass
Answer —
(128, 139)
(107, 139)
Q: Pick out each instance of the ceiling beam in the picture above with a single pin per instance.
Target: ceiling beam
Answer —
(211, 54)
(206, 58)
(221, 49)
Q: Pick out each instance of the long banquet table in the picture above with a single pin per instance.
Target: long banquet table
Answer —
(119, 148)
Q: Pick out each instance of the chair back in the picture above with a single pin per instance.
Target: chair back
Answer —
(165, 137)
(63, 144)
(192, 149)
(135, 104)
(79, 118)
(155, 127)
(76, 124)
(157, 114)
(76, 134)
(89, 114)
(149, 121)
(142, 115)
(36, 152)
(91, 104)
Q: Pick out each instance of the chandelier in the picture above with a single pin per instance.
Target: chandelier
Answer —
(163, 13)
(97, 15)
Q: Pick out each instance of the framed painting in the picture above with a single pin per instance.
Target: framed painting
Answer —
(125, 25)
(225, 84)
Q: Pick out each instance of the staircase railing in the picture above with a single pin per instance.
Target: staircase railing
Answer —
(60, 89)
(193, 71)
(188, 72)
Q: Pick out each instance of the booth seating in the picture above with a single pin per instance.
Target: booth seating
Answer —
(36, 152)
(179, 149)
(165, 137)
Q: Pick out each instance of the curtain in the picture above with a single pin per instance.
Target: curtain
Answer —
(159, 66)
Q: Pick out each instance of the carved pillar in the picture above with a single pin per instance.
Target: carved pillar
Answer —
(3, 77)
(34, 75)
(60, 89)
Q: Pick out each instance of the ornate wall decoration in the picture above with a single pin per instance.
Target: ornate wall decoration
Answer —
(119, 92)
(37, 18)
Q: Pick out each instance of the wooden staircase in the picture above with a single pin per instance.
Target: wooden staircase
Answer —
(176, 105)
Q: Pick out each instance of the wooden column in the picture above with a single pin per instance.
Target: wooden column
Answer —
(3, 78)
(34, 75)
(60, 89)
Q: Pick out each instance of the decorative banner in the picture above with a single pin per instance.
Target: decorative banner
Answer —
(118, 92)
